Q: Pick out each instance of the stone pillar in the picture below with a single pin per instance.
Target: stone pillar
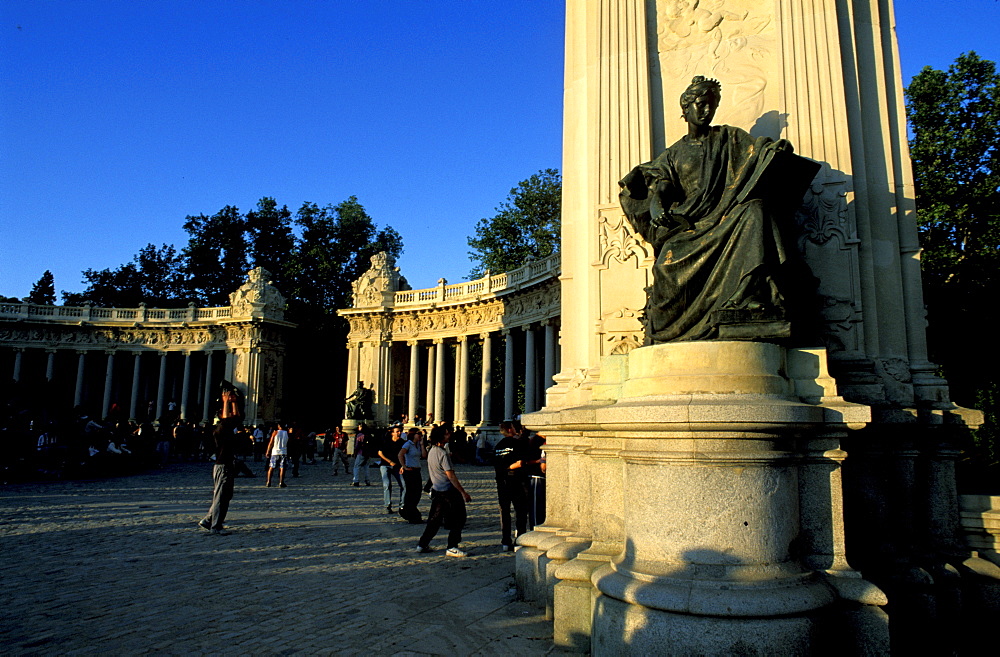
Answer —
(431, 373)
(352, 365)
(186, 385)
(134, 401)
(550, 356)
(108, 377)
(18, 354)
(161, 385)
(78, 391)
(231, 374)
(439, 381)
(50, 365)
(411, 406)
(462, 388)
(508, 375)
(487, 378)
(530, 376)
(206, 403)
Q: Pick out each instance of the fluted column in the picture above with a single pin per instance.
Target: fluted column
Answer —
(550, 355)
(431, 367)
(352, 359)
(439, 381)
(50, 365)
(206, 403)
(411, 406)
(108, 377)
(161, 385)
(487, 379)
(529, 369)
(462, 384)
(78, 391)
(134, 401)
(508, 375)
(186, 385)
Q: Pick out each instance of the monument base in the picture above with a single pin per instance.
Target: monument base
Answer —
(723, 516)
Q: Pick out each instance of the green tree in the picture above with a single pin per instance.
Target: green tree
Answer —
(43, 292)
(335, 248)
(270, 238)
(955, 120)
(154, 277)
(216, 255)
(525, 225)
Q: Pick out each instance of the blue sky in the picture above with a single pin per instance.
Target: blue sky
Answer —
(119, 118)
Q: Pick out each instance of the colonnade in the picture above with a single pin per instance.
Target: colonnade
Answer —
(445, 379)
(129, 376)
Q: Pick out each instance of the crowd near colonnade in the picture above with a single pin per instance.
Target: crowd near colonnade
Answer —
(471, 353)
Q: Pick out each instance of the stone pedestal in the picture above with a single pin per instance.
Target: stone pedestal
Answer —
(700, 483)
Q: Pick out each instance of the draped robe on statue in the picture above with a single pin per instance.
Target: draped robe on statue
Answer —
(719, 246)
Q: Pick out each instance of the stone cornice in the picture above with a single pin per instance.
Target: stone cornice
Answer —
(536, 304)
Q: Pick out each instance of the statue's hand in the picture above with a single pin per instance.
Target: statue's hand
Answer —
(783, 146)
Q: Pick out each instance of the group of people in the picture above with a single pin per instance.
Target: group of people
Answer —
(399, 454)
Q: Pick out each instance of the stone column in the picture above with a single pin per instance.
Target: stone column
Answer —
(161, 385)
(508, 375)
(352, 381)
(411, 406)
(206, 404)
(462, 382)
(134, 401)
(18, 354)
(431, 365)
(108, 376)
(529, 369)
(186, 385)
(486, 393)
(439, 381)
(550, 355)
(50, 365)
(78, 391)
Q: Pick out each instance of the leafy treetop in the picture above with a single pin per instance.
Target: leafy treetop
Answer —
(526, 225)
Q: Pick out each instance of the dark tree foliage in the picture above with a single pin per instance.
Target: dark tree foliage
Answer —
(314, 270)
(336, 247)
(955, 119)
(216, 255)
(154, 277)
(43, 292)
(270, 238)
(526, 225)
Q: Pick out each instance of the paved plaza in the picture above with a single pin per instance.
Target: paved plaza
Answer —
(119, 566)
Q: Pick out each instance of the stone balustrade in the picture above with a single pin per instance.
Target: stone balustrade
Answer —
(87, 313)
(536, 271)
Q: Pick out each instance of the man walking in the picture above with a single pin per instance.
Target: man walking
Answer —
(361, 456)
(277, 455)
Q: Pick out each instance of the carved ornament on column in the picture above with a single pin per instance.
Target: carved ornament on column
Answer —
(618, 241)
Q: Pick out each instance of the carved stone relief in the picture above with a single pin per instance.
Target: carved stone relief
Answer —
(533, 305)
(258, 297)
(731, 40)
(376, 285)
(618, 240)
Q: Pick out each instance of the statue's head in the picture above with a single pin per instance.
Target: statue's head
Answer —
(702, 91)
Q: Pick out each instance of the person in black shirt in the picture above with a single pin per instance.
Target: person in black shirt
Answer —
(224, 471)
(509, 461)
(389, 465)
